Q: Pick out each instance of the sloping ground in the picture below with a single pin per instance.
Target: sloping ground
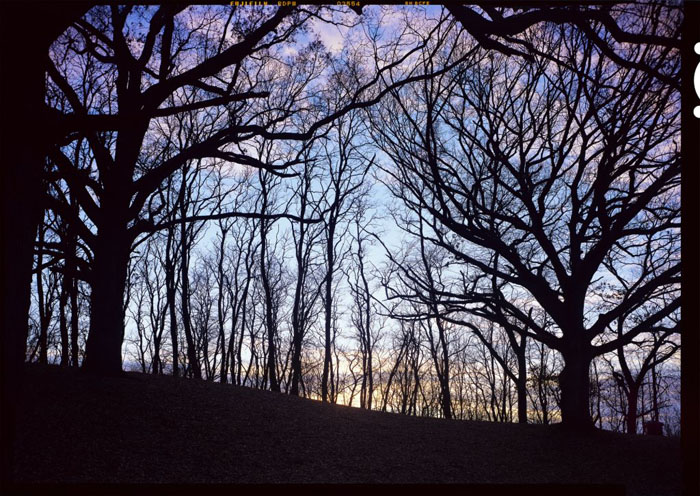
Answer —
(140, 428)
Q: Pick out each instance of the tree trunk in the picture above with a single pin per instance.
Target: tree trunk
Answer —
(271, 369)
(367, 361)
(74, 321)
(270, 325)
(192, 361)
(63, 308)
(239, 349)
(632, 399)
(220, 308)
(109, 272)
(43, 317)
(170, 294)
(70, 281)
(297, 311)
(521, 385)
(328, 303)
(445, 376)
(243, 311)
(22, 162)
(370, 381)
(296, 366)
(20, 180)
(574, 382)
(654, 395)
(296, 317)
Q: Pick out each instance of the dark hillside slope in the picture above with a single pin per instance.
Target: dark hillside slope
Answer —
(140, 428)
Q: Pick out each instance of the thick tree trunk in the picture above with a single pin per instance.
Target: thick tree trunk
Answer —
(270, 324)
(296, 333)
(156, 366)
(21, 162)
(109, 272)
(243, 312)
(157, 343)
(231, 361)
(654, 395)
(363, 385)
(446, 399)
(574, 382)
(21, 168)
(239, 349)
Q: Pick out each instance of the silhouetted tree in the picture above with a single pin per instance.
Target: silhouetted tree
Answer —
(363, 313)
(553, 169)
(307, 287)
(346, 172)
(115, 195)
(24, 171)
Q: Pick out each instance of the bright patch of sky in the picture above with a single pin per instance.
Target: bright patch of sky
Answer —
(331, 35)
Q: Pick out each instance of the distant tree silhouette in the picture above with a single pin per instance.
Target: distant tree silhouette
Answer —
(652, 351)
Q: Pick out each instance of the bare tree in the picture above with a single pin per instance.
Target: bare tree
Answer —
(24, 174)
(479, 179)
(307, 288)
(649, 352)
(543, 382)
(363, 314)
(241, 275)
(347, 170)
(536, 176)
(272, 272)
(121, 182)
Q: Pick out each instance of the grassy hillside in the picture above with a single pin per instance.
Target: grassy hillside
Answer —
(140, 428)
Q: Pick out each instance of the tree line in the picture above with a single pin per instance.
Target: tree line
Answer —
(219, 195)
